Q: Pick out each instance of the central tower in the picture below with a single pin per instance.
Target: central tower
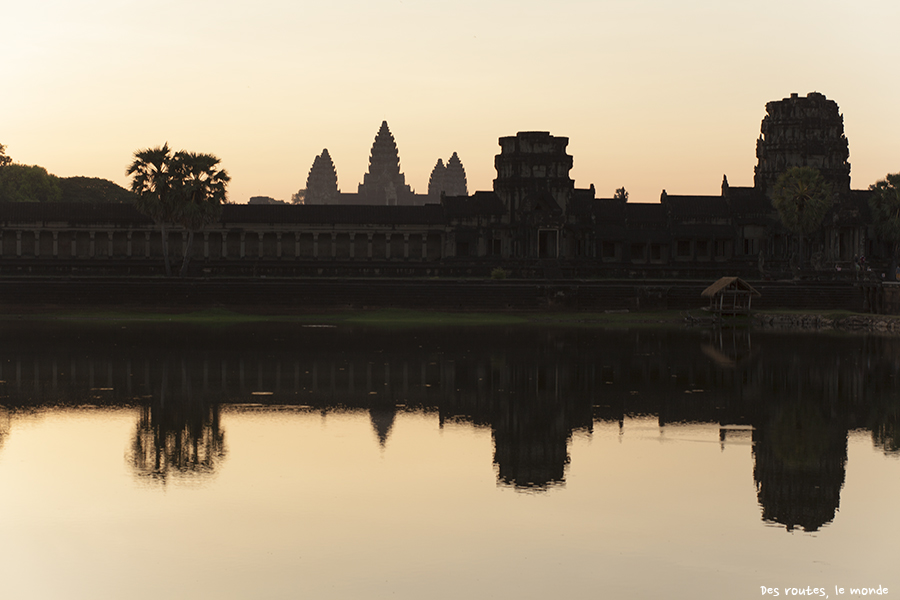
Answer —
(384, 183)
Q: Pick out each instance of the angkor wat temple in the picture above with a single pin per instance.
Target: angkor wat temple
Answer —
(534, 223)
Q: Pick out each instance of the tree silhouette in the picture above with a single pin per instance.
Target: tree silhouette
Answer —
(152, 183)
(185, 188)
(802, 198)
(885, 205)
(4, 159)
(199, 191)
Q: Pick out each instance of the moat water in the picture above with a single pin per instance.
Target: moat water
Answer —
(289, 461)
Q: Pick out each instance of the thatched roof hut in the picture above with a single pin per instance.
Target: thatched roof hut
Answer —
(730, 296)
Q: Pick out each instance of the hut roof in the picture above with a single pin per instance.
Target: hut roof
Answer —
(733, 283)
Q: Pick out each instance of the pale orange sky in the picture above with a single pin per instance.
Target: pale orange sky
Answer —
(652, 94)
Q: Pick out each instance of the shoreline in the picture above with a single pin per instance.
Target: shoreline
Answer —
(770, 320)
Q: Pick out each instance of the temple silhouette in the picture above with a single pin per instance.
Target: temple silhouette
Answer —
(534, 223)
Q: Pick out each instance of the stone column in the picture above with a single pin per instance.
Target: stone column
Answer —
(109, 244)
(243, 244)
(387, 246)
(55, 244)
(37, 243)
(315, 245)
(18, 244)
(406, 245)
(224, 244)
(352, 246)
(146, 244)
(424, 246)
(369, 249)
(333, 237)
(296, 245)
(92, 246)
(128, 244)
(278, 244)
(261, 250)
(206, 245)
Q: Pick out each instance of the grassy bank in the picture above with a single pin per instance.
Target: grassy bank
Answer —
(401, 318)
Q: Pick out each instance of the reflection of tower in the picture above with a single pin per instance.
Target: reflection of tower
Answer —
(531, 451)
(800, 459)
(384, 183)
(532, 430)
(802, 132)
(382, 417)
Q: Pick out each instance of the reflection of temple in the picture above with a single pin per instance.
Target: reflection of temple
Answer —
(800, 458)
(532, 387)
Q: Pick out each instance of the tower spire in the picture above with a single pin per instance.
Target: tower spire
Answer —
(384, 183)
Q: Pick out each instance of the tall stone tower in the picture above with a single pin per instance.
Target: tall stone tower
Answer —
(533, 173)
(436, 181)
(321, 184)
(449, 180)
(455, 178)
(384, 183)
(802, 132)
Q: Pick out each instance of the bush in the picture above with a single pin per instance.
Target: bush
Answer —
(499, 273)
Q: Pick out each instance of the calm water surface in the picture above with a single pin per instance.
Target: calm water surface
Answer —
(317, 462)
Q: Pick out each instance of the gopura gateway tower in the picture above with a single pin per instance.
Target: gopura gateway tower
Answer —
(384, 183)
(802, 132)
(539, 198)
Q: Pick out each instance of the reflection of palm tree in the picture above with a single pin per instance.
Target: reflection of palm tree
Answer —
(177, 435)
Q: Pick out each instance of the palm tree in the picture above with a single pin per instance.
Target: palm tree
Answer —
(802, 198)
(885, 205)
(199, 193)
(152, 184)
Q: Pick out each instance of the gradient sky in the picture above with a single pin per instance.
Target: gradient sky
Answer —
(652, 94)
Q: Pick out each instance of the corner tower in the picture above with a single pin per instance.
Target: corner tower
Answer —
(802, 132)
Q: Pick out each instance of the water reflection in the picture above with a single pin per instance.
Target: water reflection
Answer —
(178, 432)
(533, 388)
